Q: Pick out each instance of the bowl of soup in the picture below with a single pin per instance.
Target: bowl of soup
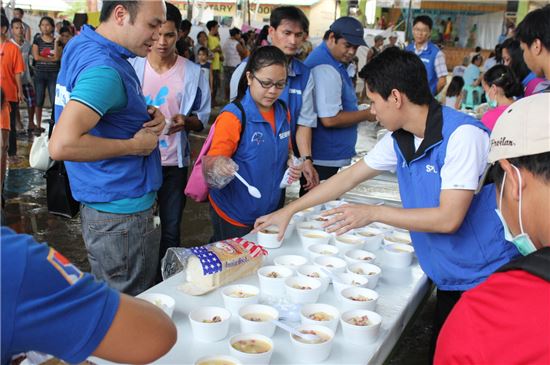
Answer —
(272, 279)
(359, 298)
(331, 263)
(348, 241)
(210, 324)
(360, 326)
(347, 280)
(398, 236)
(267, 237)
(290, 261)
(257, 318)
(300, 289)
(320, 314)
(354, 256)
(321, 250)
(372, 237)
(398, 254)
(313, 271)
(218, 360)
(163, 301)
(370, 271)
(316, 351)
(251, 348)
(238, 295)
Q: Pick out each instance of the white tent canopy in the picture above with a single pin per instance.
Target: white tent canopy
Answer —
(44, 5)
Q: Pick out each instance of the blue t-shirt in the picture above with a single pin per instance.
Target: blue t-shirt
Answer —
(471, 74)
(48, 304)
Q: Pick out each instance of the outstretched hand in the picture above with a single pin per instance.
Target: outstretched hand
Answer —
(348, 217)
(279, 218)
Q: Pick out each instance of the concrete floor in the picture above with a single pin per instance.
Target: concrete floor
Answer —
(26, 212)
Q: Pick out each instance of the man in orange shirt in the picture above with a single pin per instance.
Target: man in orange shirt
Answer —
(12, 68)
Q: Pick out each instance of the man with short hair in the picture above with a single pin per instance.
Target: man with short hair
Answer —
(180, 90)
(376, 48)
(288, 27)
(506, 319)
(533, 34)
(19, 13)
(393, 41)
(438, 154)
(214, 45)
(429, 53)
(333, 141)
(105, 134)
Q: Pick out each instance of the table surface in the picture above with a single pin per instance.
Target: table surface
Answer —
(401, 291)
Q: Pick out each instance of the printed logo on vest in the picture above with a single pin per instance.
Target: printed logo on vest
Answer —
(284, 135)
(258, 138)
(431, 168)
(425, 60)
(295, 91)
(62, 96)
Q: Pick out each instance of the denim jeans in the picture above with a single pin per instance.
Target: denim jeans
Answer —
(171, 201)
(223, 229)
(122, 248)
(12, 144)
(43, 80)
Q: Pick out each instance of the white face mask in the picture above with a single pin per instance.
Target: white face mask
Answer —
(522, 241)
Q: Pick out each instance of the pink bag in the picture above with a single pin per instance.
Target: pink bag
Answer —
(196, 188)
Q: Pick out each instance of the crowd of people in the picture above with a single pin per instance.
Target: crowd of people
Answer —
(288, 109)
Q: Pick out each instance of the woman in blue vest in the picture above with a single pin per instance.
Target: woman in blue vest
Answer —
(438, 154)
(256, 144)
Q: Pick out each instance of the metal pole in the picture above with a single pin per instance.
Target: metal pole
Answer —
(408, 24)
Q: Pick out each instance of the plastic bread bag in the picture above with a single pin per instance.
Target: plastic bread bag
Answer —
(213, 265)
(218, 171)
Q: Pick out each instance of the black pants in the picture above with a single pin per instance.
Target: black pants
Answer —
(325, 172)
(446, 301)
(224, 230)
(12, 139)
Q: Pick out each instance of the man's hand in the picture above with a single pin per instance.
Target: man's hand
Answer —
(295, 172)
(280, 218)
(310, 174)
(144, 142)
(157, 122)
(348, 217)
(178, 123)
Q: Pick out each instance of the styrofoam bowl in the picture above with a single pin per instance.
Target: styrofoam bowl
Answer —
(293, 262)
(397, 236)
(238, 295)
(302, 296)
(347, 242)
(320, 314)
(353, 256)
(311, 237)
(321, 250)
(360, 334)
(163, 301)
(273, 285)
(313, 271)
(209, 332)
(331, 263)
(313, 353)
(222, 359)
(347, 280)
(268, 237)
(258, 318)
(349, 298)
(249, 358)
(370, 271)
(398, 255)
(372, 237)
(309, 226)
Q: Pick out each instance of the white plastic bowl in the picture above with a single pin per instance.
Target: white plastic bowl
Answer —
(353, 256)
(348, 303)
(265, 314)
(347, 242)
(398, 236)
(163, 301)
(309, 226)
(331, 263)
(372, 237)
(209, 332)
(320, 310)
(321, 250)
(398, 255)
(226, 360)
(348, 280)
(268, 237)
(247, 358)
(313, 271)
(273, 285)
(361, 334)
(370, 271)
(302, 296)
(311, 237)
(312, 353)
(233, 302)
(293, 262)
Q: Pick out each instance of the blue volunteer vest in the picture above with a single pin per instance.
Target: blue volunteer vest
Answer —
(461, 260)
(428, 58)
(262, 157)
(331, 144)
(119, 177)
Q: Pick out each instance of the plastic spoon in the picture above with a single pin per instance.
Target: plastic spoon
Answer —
(306, 336)
(252, 190)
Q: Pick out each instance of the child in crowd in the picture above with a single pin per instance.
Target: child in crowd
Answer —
(256, 144)
(202, 41)
(501, 88)
(206, 66)
(453, 95)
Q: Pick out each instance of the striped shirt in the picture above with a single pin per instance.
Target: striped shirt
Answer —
(45, 49)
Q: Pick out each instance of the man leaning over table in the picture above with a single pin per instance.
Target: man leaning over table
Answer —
(438, 155)
(105, 134)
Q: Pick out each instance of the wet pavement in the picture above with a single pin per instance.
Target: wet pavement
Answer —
(26, 212)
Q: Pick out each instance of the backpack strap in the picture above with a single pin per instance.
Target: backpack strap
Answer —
(536, 263)
(239, 106)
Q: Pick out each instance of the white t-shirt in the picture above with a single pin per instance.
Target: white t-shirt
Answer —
(231, 55)
(465, 160)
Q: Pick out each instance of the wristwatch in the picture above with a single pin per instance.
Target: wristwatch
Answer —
(308, 158)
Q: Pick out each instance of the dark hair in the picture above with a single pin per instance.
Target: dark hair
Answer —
(185, 25)
(48, 19)
(477, 57)
(4, 22)
(199, 34)
(290, 13)
(234, 31)
(424, 19)
(262, 36)
(109, 5)
(182, 48)
(173, 14)
(15, 20)
(337, 35)
(211, 24)
(477, 49)
(19, 9)
(260, 58)
(535, 25)
(538, 165)
(65, 30)
(498, 53)
(203, 49)
(502, 76)
(517, 64)
(455, 87)
(401, 70)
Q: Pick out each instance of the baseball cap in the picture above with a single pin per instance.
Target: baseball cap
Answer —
(523, 129)
(350, 28)
(379, 38)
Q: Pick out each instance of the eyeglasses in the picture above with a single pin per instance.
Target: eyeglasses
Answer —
(268, 84)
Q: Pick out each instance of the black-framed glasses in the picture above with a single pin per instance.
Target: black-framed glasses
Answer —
(268, 84)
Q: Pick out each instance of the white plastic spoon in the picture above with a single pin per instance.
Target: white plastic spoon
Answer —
(306, 336)
(251, 189)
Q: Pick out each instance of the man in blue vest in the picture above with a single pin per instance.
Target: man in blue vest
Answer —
(334, 139)
(105, 133)
(439, 155)
(431, 56)
(288, 29)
